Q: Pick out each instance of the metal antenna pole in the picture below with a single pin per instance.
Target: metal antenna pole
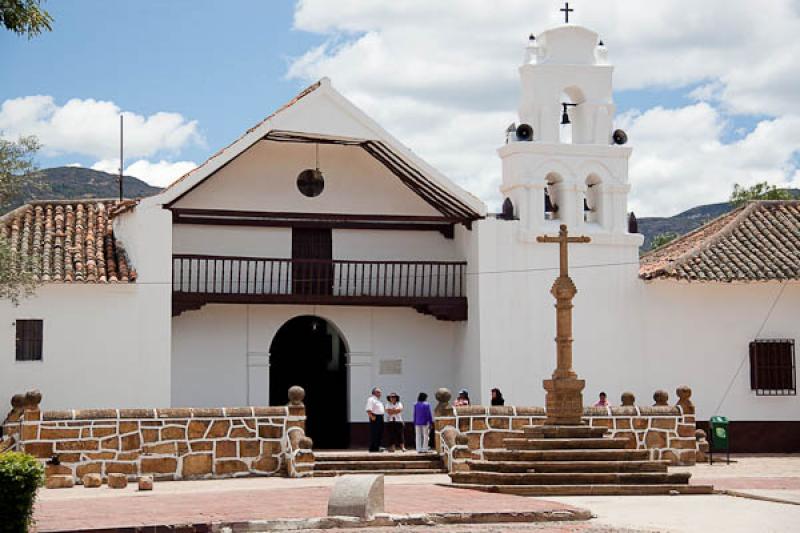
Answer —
(120, 156)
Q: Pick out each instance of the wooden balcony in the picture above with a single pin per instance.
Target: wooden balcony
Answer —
(431, 287)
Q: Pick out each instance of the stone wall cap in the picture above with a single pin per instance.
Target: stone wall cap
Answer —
(529, 410)
(659, 410)
(462, 410)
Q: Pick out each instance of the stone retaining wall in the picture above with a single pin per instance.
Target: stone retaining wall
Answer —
(191, 443)
(667, 431)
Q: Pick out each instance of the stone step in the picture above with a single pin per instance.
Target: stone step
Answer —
(567, 455)
(564, 432)
(638, 478)
(589, 490)
(322, 456)
(388, 472)
(568, 466)
(388, 464)
(516, 443)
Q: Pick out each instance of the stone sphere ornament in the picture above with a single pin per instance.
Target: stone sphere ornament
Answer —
(443, 395)
(17, 401)
(296, 395)
(661, 397)
(33, 398)
(628, 399)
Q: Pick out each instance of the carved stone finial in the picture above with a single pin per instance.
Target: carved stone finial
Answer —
(17, 401)
(306, 443)
(32, 399)
(699, 435)
(685, 399)
(628, 399)
(443, 396)
(661, 397)
(462, 439)
(296, 395)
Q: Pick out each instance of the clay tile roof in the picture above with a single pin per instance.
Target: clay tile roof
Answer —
(70, 241)
(759, 241)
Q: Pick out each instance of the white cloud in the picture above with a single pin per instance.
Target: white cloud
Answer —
(77, 165)
(442, 76)
(680, 159)
(159, 174)
(91, 127)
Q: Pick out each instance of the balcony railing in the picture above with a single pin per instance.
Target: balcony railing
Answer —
(425, 285)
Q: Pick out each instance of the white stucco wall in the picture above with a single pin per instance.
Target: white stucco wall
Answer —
(264, 179)
(628, 335)
(517, 318)
(103, 346)
(699, 333)
(220, 353)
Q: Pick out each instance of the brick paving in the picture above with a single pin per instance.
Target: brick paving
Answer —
(151, 508)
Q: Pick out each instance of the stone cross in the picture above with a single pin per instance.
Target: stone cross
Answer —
(564, 400)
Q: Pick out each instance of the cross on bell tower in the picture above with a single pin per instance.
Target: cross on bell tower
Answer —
(566, 10)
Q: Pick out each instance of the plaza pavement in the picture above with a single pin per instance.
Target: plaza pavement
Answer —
(236, 500)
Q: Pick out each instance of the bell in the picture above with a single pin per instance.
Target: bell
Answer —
(548, 205)
(633, 224)
(586, 207)
(565, 117)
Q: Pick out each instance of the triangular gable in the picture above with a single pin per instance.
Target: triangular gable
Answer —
(320, 111)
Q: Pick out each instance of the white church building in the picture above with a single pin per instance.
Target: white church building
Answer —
(318, 250)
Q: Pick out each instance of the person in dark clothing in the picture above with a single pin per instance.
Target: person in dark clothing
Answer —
(375, 412)
(497, 397)
(423, 422)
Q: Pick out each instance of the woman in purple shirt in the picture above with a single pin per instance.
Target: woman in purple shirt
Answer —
(423, 420)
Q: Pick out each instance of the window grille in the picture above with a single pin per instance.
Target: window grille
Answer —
(772, 367)
(29, 340)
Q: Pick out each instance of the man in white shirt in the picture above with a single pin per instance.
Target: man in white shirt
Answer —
(375, 411)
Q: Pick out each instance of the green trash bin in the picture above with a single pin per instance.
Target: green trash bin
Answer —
(720, 437)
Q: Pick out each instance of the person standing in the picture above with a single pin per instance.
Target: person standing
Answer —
(394, 412)
(497, 397)
(602, 401)
(375, 411)
(462, 399)
(423, 420)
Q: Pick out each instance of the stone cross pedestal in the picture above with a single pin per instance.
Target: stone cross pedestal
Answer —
(564, 398)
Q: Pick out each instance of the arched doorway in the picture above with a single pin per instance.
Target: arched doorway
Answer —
(309, 351)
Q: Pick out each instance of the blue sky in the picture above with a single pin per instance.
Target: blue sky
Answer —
(705, 105)
(224, 68)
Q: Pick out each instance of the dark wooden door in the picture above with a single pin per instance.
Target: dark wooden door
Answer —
(312, 269)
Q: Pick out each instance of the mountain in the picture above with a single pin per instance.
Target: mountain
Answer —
(686, 221)
(68, 183)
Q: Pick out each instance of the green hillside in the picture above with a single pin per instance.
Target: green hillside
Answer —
(68, 183)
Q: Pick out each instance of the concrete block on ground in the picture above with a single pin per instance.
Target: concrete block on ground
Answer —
(59, 481)
(357, 495)
(91, 481)
(146, 483)
(117, 481)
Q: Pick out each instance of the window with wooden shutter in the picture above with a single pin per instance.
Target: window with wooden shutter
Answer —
(29, 340)
(772, 367)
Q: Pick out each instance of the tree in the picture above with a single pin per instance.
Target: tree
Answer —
(662, 238)
(25, 17)
(17, 172)
(759, 191)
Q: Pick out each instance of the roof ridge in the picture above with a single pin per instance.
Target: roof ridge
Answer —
(690, 234)
(729, 227)
(305, 92)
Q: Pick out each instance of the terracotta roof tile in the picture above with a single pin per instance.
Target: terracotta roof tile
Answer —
(70, 241)
(759, 241)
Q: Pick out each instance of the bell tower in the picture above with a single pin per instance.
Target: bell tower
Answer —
(572, 168)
